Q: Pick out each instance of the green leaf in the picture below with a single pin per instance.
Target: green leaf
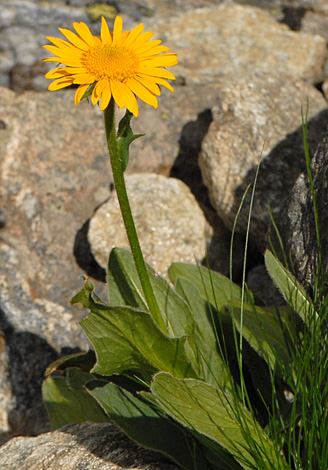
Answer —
(125, 137)
(125, 338)
(212, 366)
(67, 401)
(218, 416)
(146, 426)
(124, 287)
(88, 92)
(267, 331)
(212, 286)
(289, 286)
(82, 360)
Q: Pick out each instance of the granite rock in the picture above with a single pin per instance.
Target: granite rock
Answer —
(170, 224)
(259, 115)
(234, 39)
(296, 222)
(88, 446)
(46, 195)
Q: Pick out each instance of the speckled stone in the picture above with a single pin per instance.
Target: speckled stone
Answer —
(259, 117)
(232, 39)
(170, 224)
(86, 446)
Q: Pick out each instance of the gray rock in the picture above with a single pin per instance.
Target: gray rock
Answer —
(24, 26)
(55, 172)
(88, 446)
(235, 39)
(258, 114)
(53, 175)
(260, 284)
(170, 224)
(315, 23)
(296, 221)
(169, 129)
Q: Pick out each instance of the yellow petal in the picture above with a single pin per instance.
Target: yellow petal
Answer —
(144, 37)
(60, 43)
(142, 92)
(84, 32)
(154, 51)
(118, 26)
(158, 80)
(79, 93)
(164, 60)
(105, 33)
(124, 35)
(152, 87)
(133, 35)
(106, 96)
(74, 39)
(64, 72)
(97, 91)
(84, 78)
(155, 72)
(60, 83)
(149, 45)
(130, 101)
(118, 93)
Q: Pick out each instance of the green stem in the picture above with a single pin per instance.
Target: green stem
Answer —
(122, 196)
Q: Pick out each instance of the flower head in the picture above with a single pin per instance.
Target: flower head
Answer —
(121, 65)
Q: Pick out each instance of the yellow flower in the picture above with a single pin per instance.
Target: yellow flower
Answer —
(121, 65)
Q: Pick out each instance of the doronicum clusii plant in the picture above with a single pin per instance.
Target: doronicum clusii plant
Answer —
(196, 369)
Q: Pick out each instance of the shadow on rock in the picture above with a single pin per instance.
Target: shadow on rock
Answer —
(27, 356)
(84, 256)
(187, 169)
(278, 173)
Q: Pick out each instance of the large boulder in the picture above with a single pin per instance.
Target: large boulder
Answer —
(297, 226)
(258, 118)
(88, 445)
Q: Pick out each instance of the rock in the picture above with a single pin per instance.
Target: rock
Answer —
(24, 25)
(325, 88)
(168, 129)
(259, 113)
(235, 39)
(260, 284)
(55, 172)
(315, 5)
(296, 221)
(315, 23)
(170, 224)
(88, 445)
(53, 175)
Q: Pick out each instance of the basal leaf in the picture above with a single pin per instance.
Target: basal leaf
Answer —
(126, 338)
(123, 280)
(145, 425)
(84, 361)
(124, 287)
(67, 401)
(289, 286)
(213, 369)
(267, 331)
(212, 286)
(217, 415)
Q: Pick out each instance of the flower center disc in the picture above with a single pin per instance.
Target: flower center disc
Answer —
(111, 62)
